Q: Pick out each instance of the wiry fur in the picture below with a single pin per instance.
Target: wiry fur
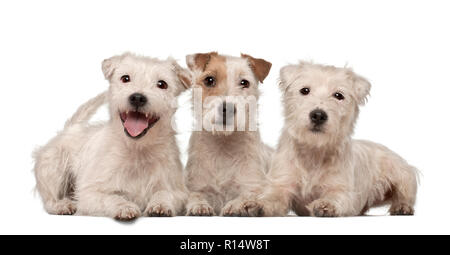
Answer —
(327, 173)
(226, 168)
(99, 170)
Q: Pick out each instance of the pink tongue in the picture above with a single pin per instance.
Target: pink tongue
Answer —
(135, 123)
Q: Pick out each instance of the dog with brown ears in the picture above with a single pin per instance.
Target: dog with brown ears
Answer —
(129, 165)
(318, 169)
(227, 160)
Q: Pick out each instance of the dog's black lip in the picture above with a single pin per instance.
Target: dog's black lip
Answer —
(316, 129)
(143, 132)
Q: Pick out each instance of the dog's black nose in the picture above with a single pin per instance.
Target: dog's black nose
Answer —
(137, 100)
(318, 117)
(227, 110)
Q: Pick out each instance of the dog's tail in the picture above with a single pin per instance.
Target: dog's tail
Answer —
(87, 110)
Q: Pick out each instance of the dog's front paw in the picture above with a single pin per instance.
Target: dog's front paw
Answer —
(127, 212)
(323, 208)
(159, 210)
(243, 209)
(200, 209)
(401, 209)
(62, 207)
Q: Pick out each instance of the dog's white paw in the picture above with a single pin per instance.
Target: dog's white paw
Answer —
(201, 209)
(322, 208)
(401, 209)
(159, 210)
(61, 207)
(242, 208)
(127, 212)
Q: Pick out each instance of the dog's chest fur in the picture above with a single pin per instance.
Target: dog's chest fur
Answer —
(131, 172)
(314, 167)
(226, 166)
(141, 171)
(229, 159)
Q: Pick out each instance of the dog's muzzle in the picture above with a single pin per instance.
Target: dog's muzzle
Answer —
(226, 112)
(136, 123)
(318, 117)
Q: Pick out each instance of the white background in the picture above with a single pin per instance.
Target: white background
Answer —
(50, 55)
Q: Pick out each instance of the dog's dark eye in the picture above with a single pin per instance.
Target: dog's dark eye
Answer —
(245, 83)
(339, 96)
(305, 91)
(125, 78)
(210, 81)
(162, 84)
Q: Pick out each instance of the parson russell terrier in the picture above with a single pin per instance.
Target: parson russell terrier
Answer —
(318, 169)
(129, 165)
(227, 160)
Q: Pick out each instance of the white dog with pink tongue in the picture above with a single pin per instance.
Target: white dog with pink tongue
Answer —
(129, 165)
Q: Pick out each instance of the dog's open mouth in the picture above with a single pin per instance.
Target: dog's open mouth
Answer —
(136, 124)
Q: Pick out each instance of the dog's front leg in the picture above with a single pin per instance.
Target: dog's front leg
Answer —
(275, 201)
(243, 206)
(281, 187)
(163, 204)
(336, 203)
(107, 204)
(198, 205)
(264, 198)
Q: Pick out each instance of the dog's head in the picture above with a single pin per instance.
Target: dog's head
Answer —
(229, 90)
(143, 91)
(321, 102)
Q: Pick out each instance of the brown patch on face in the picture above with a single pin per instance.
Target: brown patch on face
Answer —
(201, 60)
(259, 66)
(216, 68)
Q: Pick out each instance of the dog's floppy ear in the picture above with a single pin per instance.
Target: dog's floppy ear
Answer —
(259, 66)
(108, 66)
(288, 75)
(199, 61)
(361, 87)
(183, 75)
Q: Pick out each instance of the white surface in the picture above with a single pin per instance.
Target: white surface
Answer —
(50, 55)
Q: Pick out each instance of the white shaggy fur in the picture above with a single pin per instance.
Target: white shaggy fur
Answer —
(226, 168)
(98, 169)
(320, 170)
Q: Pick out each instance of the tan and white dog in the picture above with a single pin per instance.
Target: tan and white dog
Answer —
(318, 169)
(129, 165)
(227, 160)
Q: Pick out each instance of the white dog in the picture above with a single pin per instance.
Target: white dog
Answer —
(129, 165)
(227, 159)
(317, 168)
